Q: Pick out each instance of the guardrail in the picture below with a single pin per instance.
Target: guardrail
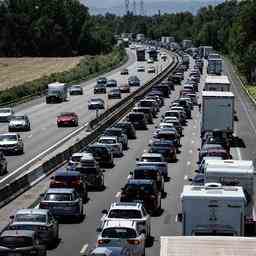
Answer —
(43, 168)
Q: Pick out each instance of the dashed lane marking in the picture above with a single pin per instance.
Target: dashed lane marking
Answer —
(84, 248)
(186, 177)
(192, 141)
(188, 163)
(190, 151)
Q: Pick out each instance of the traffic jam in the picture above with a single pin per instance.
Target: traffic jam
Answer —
(221, 188)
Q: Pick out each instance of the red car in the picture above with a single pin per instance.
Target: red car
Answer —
(67, 119)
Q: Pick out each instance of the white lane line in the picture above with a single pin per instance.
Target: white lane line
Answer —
(30, 136)
(188, 163)
(192, 141)
(186, 177)
(118, 194)
(193, 133)
(190, 151)
(194, 126)
(84, 248)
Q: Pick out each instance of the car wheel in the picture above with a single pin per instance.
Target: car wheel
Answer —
(21, 151)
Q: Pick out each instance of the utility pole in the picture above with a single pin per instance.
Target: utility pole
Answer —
(142, 10)
(126, 4)
(134, 9)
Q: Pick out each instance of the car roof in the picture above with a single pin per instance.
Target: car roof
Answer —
(108, 137)
(140, 181)
(67, 173)
(122, 223)
(32, 211)
(60, 190)
(125, 205)
(15, 233)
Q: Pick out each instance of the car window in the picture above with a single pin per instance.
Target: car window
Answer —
(30, 217)
(124, 233)
(124, 214)
(58, 197)
(8, 137)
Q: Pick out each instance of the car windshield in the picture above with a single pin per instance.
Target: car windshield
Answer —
(5, 111)
(8, 137)
(118, 232)
(18, 118)
(145, 174)
(145, 103)
(151, 159)
(66, 114)
(58, 197)
(167, 136)
(96, 100)
(98, 151)
(135, 188)
(26, 217)
(76, 158)
(16, 241)
(107, 141)
(124, 214)
(101, 85)
(113, 133)
(159, 150)
(66, 178)
(116, 90)
(134, 117)
(76, 87)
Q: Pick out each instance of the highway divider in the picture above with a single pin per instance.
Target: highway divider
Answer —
(54, 160)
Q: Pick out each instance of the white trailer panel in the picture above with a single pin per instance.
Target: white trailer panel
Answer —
(217, 83)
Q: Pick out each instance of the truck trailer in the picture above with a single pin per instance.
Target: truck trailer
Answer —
(214, 66)
(56, 93)
(212, 210)
(205, 51)
(141, 53)
(217, 83)
(218, 112)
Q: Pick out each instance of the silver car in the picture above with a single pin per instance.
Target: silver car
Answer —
(6, 114)
(11, 143)
(39, 220)
(63, 202)
(19, 123)
(20, 243)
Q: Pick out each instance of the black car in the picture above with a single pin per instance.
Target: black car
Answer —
(142, 191)
(111, 83)
(170, 84)
(100, 88)
(164, 89)
(138, 120)
(146, 111)
(102, 154)
(127, 128)
(134, 81)
(102, 80)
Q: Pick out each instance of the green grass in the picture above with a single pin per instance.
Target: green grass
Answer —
(252, 90)
(89, 67)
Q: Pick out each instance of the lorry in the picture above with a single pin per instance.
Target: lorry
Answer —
(217, 83)
(141, 53)
(207, 246)
(218, 112)
(233, 173)
(205, 51)
(56, 93)
(214, 66)
(212, 210)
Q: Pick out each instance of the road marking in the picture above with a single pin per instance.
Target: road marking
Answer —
(193, 133)
(118, 194)
(190, 151)
(194, 126)
(192, 141)
(30, 136)
(188, 163)
(84, 248)
(186, 177)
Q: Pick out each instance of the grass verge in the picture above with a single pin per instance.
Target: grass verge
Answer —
(89, 67)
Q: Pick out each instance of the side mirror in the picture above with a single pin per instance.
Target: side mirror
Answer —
(42, 194)
(104, 211)
(143, 231)
(179, 217)
(52, 177)
(198, 162)
(122, 189)
(198, 149)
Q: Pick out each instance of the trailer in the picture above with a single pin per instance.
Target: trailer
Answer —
(214, 66)
(141, 54)
(205, 51)
(56, 93)
(217, 83)
(212, 210)
(218, 112)
(207, 246)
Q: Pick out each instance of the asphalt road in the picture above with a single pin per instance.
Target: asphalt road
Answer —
(45, 133)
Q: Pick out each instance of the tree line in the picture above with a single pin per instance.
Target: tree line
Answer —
(50, 28)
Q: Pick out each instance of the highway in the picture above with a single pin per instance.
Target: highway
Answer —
(76, 237)
(45, 133)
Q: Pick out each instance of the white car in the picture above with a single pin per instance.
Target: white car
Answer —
(76, 158)
(113, 144)
(131, 211)
(88, 160)
(11, 143)
(6, 114)
(123, 233)
(96, 104)
(151, 69)
(150, 61)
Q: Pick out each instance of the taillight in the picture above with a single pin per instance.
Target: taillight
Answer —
(103, 241)
(42, 228)
(133, 241)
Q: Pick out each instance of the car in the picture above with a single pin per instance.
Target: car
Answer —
(96, 104)
(147, 111)
(132, 211)
(19, 123)
(76, 89)
(134, 81)
(214, 152)
(138, 119)
(38, 220)
(117, 132)
(63, 202)
(124, 71)
(164, 89)
(3, 164)
(150, 61)
(142, 191)
(140, 69)
(111, 83)
(174, 113)
(114, 93)
(175, 122)
(102, 154)
(122, 233)
(201, 166)
(150, 103)
(102, 80)
(6, 114)
(170, 84)
(69, 179)
(149, 173)
(181, 110)
(124, 88)
(151, 69)
(21, 242)
(11, 143)
(88, 160)
(127, 128)
(76, 158)
(193, 98)
(113, 144)
(154, 159)
(93, 176)
(218, 140)
(100, 88)
(175, 78)
(168, 134)
(168, 150)
(67, 119)
(156, 95)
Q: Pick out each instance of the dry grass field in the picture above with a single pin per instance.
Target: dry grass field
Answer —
(16, 71)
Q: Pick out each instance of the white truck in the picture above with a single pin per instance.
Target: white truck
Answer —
(233, 173)
(56, 93)
(217, 112)
(207, 246)
(217, 83)
(212, 210)
(214, 66)
(205, 51)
